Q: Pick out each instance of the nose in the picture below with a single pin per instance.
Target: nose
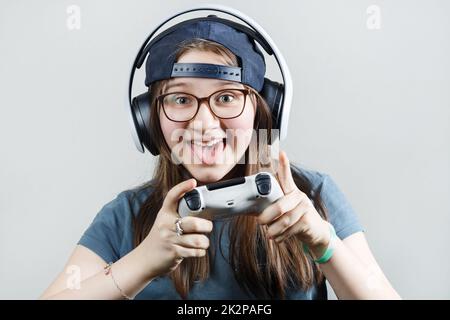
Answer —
(205, 115)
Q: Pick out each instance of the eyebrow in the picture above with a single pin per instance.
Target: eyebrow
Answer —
(179, 84)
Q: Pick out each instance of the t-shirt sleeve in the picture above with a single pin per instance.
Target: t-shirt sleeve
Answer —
(340, 212)
(105, 234)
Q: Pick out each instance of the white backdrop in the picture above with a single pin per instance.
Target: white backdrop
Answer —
(371, 108)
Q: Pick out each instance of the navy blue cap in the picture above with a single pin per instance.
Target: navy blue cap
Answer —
(161, 62)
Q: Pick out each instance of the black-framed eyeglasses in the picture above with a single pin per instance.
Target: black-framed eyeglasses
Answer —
(224, 104)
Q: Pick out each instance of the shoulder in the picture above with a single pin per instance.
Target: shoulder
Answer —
(110, 233)
(321, 182)
(315, 178)
(124, 205)
(133, 199)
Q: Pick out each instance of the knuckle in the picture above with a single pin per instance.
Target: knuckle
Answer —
(285, 221)
(205, 242)
(197, 241)
(159, 226)
(197, 224)
(262, 219)
(200, 252)
(279, 207)
(163, 232)
(185, 222)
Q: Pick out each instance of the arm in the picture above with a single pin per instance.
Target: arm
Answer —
(354, 273)
(127, 272)
(159, 253)
(352, 270)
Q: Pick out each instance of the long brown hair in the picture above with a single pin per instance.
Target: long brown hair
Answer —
(262, 267)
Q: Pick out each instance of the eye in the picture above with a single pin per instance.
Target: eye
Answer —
(182, 100)
(226, 98)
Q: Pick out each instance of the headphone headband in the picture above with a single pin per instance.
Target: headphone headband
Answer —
(252, 33)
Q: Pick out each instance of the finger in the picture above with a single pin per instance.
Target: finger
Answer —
(299, 228)
(296, 228)
(285, 175)
(287, 220)
(195, 241)
(177, 192)
(191, 224)
(183, 252)
(282, 205)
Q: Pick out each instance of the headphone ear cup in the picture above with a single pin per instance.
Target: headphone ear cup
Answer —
(273, 92)
(141, 116)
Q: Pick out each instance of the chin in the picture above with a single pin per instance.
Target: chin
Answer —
(205, 174)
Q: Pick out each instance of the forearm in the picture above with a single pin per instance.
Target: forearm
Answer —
(127, 272)
(351, 279)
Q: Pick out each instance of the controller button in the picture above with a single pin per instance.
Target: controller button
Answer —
(263, 184)
(264, 188)
(193, 199)
(193, 203)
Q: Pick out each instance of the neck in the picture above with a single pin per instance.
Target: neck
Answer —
(237, 171)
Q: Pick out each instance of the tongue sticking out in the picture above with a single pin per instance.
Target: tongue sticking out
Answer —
(208, 155)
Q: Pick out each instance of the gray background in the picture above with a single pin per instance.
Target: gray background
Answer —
(371, 108)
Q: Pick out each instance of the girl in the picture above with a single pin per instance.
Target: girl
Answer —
(135, 248)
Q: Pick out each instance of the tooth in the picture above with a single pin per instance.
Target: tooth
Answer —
(206, 144)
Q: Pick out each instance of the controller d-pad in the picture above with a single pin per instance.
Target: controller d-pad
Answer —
(263, 184)
(193, 200)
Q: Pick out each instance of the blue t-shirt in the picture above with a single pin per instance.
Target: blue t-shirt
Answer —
(110, 235)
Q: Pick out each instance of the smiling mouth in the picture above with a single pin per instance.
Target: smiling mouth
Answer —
(207, 152)
(208, 143)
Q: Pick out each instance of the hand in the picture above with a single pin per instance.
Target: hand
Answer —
(294, 214)
(165, 249)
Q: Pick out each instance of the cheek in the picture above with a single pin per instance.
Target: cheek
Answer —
(169, 129)
(242, 127)
(244, 121)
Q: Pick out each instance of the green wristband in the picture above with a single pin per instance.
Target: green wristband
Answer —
(330, 248)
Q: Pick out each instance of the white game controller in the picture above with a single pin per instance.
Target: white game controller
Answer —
(245, 195)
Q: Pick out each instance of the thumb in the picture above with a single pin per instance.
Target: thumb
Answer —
(284, 174)
(177, 192)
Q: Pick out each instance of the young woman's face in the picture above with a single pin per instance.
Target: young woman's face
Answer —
(207, 164)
